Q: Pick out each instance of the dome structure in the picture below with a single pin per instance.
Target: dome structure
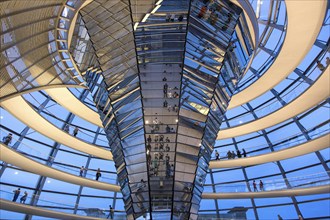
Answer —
(144, 109)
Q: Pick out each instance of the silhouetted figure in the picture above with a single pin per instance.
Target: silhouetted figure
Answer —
(165, 104)
(279, 217)
(167, 148)
(98, 174)
(255, 189)
(168, 129)
(244, 152)
(67, 129)
(75, 131)
(16, 194)
(175, 108)
(217, 155)
(161, 138)
(327, 61)
(229, 155)
(167, 159)
(168, 16)
(172, 17)
(233, 155)
(111, 212)
(320, 66)
(81, 171)
(238, 152)
(23, 198)
(180, 18)
(7, 140)
(261, 185)
(149, 139)
(164, 79)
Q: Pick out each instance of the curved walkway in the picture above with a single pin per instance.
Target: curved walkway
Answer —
(12, 95)
(32, 210)
(66, 99)
(20, 109)
(306, 148)
(302, 30)
(13, 157)
(315, 94)
(269, 194)
(11, 206)
(10, 156)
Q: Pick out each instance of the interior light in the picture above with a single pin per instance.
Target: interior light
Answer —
(48, 181)
(176, 120)
(240, 122)
(1, 117)
(147, 122)
(16, 173)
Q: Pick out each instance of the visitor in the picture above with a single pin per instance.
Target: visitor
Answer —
(180, 18)
(75, 131)
(148, 147)
(7, 140)
(155, 121)
(261, 185)
(233, 155)
(149, 139)
(176, 108)
(167, 140)
(141, 184)
(172, 170)
(217, 155)
(164, 79)
(167, 148)
(167, 159)
(207, 14)
(168, 129)
(67, 129)
(161, 156)
(16, 194)
(23, 198)
(82, 170)
(255, 186)
(229, 154)
(98, 174)
(172, 18)
(167, 19)
(165, 87)
(165, 104)
(168, 170)
(244, 152)
(327, 61)
(238, 153)
(161, 146)
(111, 211)
(320, 65)
(161, 138)
(202, 12)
